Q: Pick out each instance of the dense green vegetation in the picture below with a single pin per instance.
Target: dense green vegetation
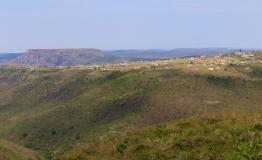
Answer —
(228, 137)
(56, 112)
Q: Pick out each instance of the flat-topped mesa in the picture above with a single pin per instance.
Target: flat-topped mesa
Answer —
(65, 57)
(65, 51)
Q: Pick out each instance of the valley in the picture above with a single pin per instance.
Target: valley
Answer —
(163, 109)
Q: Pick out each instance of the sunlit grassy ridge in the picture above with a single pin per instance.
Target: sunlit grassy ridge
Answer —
(56, 110)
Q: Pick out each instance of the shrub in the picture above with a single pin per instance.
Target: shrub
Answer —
(258, 127)
(140, 147)
(121, 147)
(221, 81)
(247, 151)
(256, 72)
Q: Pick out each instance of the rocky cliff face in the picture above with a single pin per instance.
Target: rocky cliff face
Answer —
(65, 57)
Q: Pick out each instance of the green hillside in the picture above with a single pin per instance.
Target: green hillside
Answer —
(10, 151)
(231, 137)
(58, 111)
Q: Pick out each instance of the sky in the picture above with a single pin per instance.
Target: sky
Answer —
(129, 24)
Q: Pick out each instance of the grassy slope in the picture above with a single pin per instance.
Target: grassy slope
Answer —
(10, 151)
(230, 137)
(51, 110)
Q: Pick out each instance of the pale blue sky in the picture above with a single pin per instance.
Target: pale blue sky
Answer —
(129, 24)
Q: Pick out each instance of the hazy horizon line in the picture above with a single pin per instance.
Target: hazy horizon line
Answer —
(127, 49)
